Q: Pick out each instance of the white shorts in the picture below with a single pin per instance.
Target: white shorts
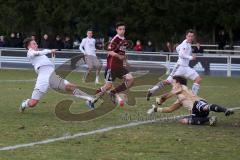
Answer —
(47, 78)
(184, 71)
(92, 61)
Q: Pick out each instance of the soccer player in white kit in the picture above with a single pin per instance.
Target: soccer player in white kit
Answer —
(88, 48)
(181, 68)
(47, 77)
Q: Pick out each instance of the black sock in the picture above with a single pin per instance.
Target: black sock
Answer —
(217, 108)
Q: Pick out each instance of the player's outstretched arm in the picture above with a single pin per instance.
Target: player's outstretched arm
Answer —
(183, 54)
(164, 97)
(114, 54)
(171, 108)
(81, 46)
(39, 53)
(168, 95)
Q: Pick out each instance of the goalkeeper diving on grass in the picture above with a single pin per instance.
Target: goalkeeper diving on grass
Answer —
(198, 107)
(47, 77)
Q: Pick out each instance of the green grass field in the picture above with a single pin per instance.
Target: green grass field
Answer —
(162, 140)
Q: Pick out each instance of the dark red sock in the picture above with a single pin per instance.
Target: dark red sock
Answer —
(119, 88)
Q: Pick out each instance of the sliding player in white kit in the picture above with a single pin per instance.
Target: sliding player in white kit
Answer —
(88, 48)
(47, 77)
(181, 68)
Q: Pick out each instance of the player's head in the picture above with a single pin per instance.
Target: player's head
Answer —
(30, 43)
(89, 33)
(120, 28)
(190, 35)
(179, 80)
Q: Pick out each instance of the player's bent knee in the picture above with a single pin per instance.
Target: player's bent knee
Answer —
(70, 87)
(129, 80)
(198, 80)
(206, 108)
(108, 86)
(129, 76)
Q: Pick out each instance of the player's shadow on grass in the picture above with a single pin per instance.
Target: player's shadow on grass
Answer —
(62, 109)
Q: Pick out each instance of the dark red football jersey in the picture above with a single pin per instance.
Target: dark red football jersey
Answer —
(118, 45)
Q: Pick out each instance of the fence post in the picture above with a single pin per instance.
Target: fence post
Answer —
(229, 62)
(168, 64)
(0, 59)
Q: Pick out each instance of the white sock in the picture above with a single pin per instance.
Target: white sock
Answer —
(157, 87)
(154, 89)
(195, 88)
(97, 78)
(80, 94)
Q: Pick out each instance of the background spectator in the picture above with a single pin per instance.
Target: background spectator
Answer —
(100, 43)
(222, 40)
(2, 42)
(198, 48)
(58, 44)
(67, 43)
(138, 47)
(33, 37)
(12, 42)
(167, 47)
(45, 42)
(19, 40)
(149, 47)
(76, 42)
(174, 47)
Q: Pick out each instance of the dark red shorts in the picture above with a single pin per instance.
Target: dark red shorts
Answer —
(111, 75)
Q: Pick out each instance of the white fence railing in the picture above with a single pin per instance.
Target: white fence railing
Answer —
(226, 63)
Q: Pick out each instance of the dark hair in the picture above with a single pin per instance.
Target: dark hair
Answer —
(181, 80)
(90, 30)
(118, 24)
(26, 42)
(190, 31)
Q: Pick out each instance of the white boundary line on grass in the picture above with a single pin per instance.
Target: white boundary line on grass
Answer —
(81, 134)
(17, 80)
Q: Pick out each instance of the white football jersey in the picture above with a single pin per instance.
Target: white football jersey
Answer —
(184, 51)
(87, 46)
(39, 58)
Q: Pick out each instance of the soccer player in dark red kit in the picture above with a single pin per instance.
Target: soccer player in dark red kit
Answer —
(116, 61)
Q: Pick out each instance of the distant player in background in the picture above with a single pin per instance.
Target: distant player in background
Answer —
(181, 68)
(116, 60)
(47, 77)
(198, 107)
(87, 47)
